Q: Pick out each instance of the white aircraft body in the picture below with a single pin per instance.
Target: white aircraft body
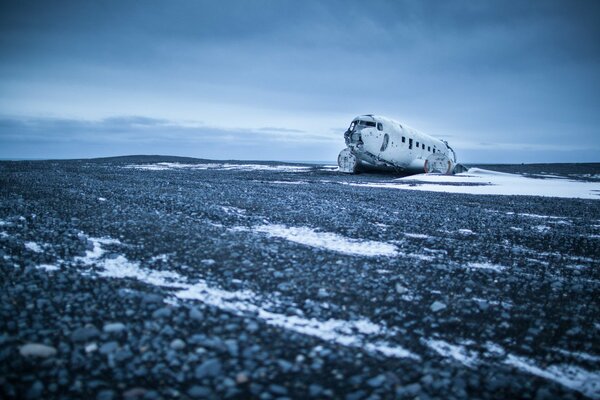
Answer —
(376, 142)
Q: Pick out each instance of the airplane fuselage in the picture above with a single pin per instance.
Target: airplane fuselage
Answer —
(376, 141)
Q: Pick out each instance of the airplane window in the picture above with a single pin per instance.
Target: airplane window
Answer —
(403, 139)
(379, 126)
(417, 145)
(428, 148)
(366, 123)
(410, 143)
(352, 126)
(423, 145)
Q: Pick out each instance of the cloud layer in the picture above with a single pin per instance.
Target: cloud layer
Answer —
(486, 75)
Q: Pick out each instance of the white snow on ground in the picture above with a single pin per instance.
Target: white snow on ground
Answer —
(488, 266)
(571, 376)
(416, 235)
(348, 333)
(33, 246)
(48, 267)
(164, 166)
(233, 210)
(328, 241)
(466, 232)
(534, 215)
(456, 352)
(579, 355)
(289, 182)
(485, 182)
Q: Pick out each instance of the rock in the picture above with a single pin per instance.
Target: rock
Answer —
(177, 344)
(37, 350)
(359, 394)
(109, 347)
(134, 393)
(115, 327)
(163, 312)
(376, 381)
(278, 389)
(400, 289)
(90, 348)
(85, 334)
(437, 306)
(315, 390)
(35, 391)
(196, 314)
(209, 368)
(106, 395)
(241, 378)
(199, 392)
(408, 391)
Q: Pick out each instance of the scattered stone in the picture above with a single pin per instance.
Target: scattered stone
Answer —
(35, 391)
(177, 344)
(199, 392)
(209, 368)
(278, 389)
(408, 391)
(164, 312)
(400, 289)
(115, 327)
(106, 394)
(85, 334)
(196, 314)
(109, 347)
(437, 306)
(241, 378)
(134, 393)
(376, 381)
(37, 350)
(90, 348)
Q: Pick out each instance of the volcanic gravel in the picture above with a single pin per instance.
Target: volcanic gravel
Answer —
(225, 281)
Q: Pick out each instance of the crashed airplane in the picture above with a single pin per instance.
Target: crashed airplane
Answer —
(379, 143)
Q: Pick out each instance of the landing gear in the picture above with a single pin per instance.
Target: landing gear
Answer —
(438, 163)
(347, 161)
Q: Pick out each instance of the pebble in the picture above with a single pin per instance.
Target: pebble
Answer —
(177, 344)
(199, 392)
(37, 350)
(163, 312)
(209, 368)
(437, 306)
(115, 327)
(84, 334)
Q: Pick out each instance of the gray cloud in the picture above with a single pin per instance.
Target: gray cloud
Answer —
(496, 72)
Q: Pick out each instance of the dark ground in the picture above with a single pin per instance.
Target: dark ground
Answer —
(527, 329)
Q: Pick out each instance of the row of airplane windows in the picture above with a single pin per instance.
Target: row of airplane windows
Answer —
(410, 145)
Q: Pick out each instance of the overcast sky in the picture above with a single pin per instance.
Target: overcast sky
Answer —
(502, 81)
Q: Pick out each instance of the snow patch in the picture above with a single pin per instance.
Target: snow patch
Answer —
(456, 352)
(33, 246)
(329, 241)
(416, 235)
(165, 166)
(485, 182)
(570, 376)
(488, 266)
(289, 182)
(48, 267)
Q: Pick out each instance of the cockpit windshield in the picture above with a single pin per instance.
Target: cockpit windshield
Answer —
(360, 123)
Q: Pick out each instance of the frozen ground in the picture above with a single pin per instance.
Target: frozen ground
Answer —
(181, 278)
